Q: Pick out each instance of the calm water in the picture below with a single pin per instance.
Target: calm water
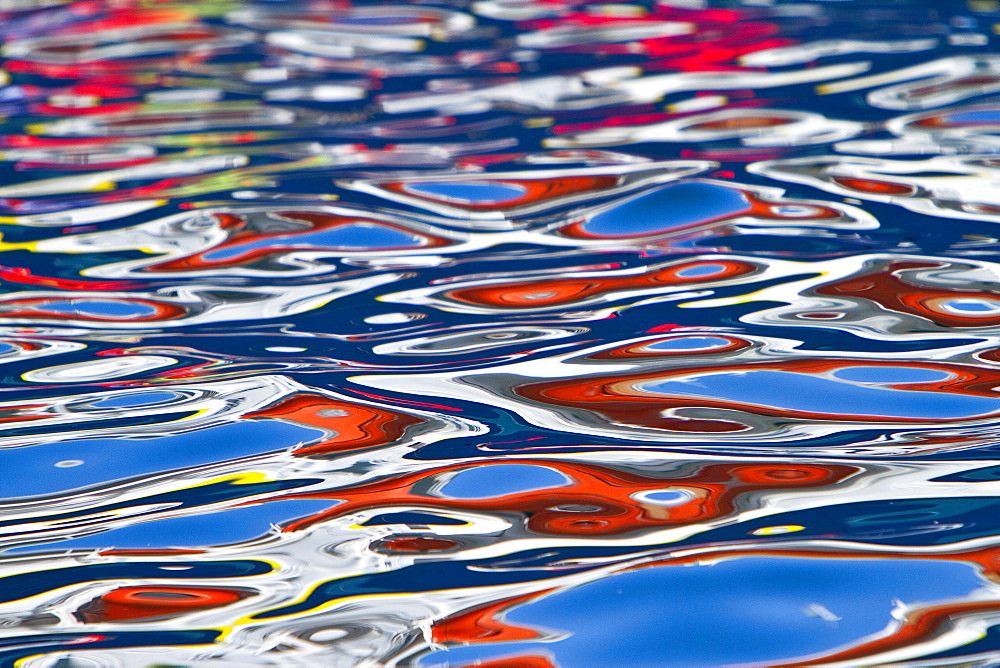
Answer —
(500, 333)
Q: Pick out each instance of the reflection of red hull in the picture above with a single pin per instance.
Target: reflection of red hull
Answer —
(543, 293)
(618, 401)
(145, 603)
(891, 290)
(355, 426)
(599, 501)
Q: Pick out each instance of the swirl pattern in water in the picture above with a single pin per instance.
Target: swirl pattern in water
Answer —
(499, 333)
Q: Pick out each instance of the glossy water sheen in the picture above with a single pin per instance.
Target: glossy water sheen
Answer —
(505, 333)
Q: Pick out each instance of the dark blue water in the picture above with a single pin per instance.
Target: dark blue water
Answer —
(507, 333)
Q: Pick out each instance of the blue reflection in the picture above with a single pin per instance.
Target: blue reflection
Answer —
(688, 343)
(890, 374)
(348, 237)
(747, 610)
(133, 399)
(667, 208)
(105, 308)
(470, 193)
(801, 392)
(57, 467)
(500, 480)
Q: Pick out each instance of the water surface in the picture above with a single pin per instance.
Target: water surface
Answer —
(505, 333)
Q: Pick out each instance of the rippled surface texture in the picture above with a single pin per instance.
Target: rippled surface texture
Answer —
(506, 333)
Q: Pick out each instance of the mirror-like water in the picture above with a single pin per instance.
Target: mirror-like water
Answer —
(499, 333)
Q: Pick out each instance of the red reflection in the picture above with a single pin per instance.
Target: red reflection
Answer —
(34, 308)
(875, 187)
(541, 293)
(891, 290)
(480, 624)
(598, 500)
(143, 603)
(617, 400)
(354, 426)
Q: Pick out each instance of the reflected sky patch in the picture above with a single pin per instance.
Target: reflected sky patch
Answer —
(500, 480)
(667, 208)
(471, 192)
(34, 470)
(814, 394)
(360, 236)
(133, 399)
(103, 308)
(688, 343)
(748, 610)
